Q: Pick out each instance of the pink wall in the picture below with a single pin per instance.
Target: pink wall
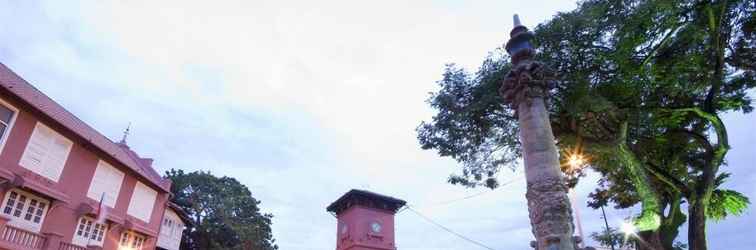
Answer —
(74, 181)
(359, 236)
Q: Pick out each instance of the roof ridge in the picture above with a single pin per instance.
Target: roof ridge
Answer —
(35, 98)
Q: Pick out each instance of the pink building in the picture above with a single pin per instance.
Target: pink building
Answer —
(365, 220)
(54, 172)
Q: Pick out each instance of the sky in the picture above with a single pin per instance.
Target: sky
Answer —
(302, 101)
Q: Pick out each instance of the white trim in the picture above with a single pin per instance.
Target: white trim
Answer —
(170, 230)
(20, 220)
(4, 136)
(84, 231)
(130, 240)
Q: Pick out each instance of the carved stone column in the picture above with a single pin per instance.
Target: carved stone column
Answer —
(526, 89)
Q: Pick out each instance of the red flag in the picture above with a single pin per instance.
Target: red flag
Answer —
(102, 212)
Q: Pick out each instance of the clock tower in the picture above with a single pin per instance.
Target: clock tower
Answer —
(365, 220)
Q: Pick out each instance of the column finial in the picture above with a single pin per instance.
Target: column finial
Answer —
(517, 20)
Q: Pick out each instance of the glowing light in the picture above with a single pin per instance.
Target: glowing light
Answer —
(576, 161)
(628, 228)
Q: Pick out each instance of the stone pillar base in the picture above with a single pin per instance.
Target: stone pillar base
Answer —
(576, 242)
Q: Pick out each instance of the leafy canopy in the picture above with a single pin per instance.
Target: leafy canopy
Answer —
(223, 212)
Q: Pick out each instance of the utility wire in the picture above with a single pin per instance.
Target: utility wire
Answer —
(447, 202)
(408, 207)
(448, 230)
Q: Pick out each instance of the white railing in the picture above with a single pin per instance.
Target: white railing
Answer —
(22, 237)
(69, 246)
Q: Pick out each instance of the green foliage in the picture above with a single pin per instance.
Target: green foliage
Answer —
(726, 202)
(611, 237)
(223, 212)
(472, 125)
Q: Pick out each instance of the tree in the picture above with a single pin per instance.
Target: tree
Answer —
(642, 86)
(612, 237)
(224, 214)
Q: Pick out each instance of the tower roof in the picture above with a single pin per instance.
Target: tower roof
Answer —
(365, 198)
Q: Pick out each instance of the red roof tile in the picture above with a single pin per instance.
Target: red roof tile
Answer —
(35, 98)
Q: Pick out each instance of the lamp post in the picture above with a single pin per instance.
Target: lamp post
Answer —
(608, 232)
(525, 90)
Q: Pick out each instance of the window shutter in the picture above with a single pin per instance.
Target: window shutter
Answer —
(60, 147)
(36, 150)
(142, 202)
(46, 152)
(107, 179)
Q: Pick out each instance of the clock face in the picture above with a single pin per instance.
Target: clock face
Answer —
(375, 227)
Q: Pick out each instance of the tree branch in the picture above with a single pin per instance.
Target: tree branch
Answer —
(696, 136)
(667, 178)
(662, 43)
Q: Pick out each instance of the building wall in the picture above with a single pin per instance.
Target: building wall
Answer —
(170, 234)
(69, 194)
(358, 234)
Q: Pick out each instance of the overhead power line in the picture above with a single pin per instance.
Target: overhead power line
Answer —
(449, 230)
(447, 202)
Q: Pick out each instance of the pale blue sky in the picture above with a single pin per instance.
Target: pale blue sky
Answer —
(300, 101)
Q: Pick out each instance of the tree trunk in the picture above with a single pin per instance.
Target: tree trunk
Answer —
(697, 225)
(650, 218)
(700, 197)
(671, 223)
(548, 204)
(650, 240)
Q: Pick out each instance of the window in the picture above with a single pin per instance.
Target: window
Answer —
(106, 180)
(170, 231)
(89, 232)
(142, 202)
(168, 228)
(131, 241)
(7, 117)
(25, 210)
(46, 152)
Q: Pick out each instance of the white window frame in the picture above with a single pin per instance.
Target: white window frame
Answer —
(89, 233)
(21, 220)
(9, 126)
(172, 227)
(94, 191)
(171, 230)
(45, 163)
(131, 241)
(136, 208)
(167, 228)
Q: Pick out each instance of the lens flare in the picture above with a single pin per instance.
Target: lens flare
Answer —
(576, 161)
(628, 228)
